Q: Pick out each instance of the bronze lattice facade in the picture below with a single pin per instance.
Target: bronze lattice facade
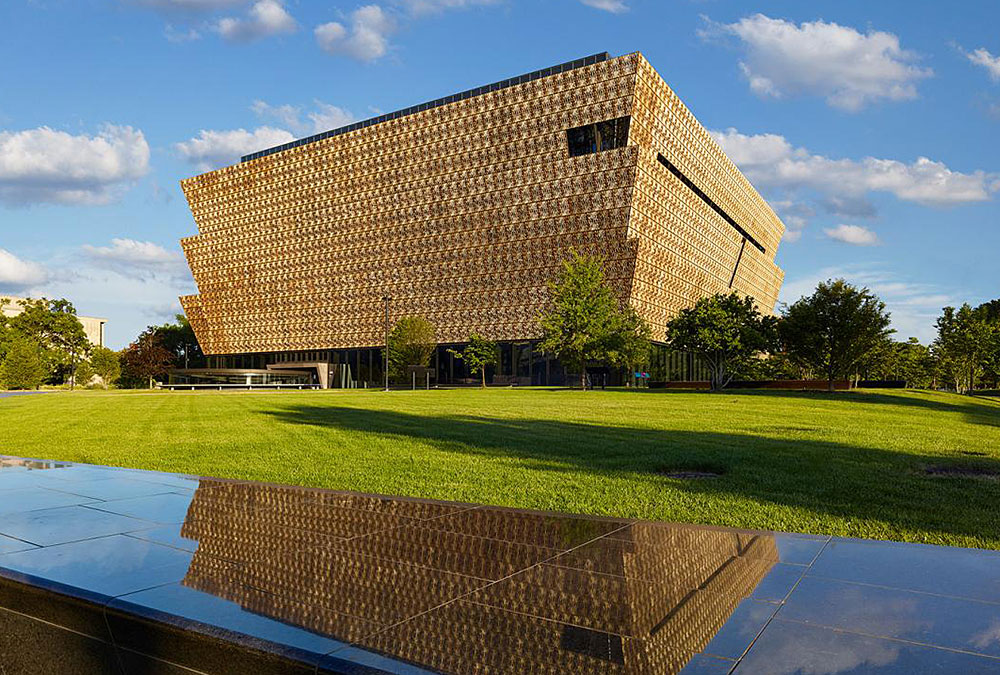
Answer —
(461, 210)
(351, 566)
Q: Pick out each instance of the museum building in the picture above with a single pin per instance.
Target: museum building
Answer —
(461, 210)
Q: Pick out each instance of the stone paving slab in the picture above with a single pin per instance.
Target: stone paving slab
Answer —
(108, 570)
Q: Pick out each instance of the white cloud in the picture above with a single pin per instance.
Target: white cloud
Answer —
(848, 68)
(367, 39)
(47, 166)
(852, 234)
(137, 258)
(323, 117)
(16, 273)
(981, 57)
(212, 149)
(914, 306)
(129, 297)
(770, 161)
(613, 6)
(795, 215)
(265, 18)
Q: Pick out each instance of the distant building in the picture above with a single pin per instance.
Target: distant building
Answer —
(92, 326)
(461, 210)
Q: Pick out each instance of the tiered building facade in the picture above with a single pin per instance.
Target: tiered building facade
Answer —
(461, 210)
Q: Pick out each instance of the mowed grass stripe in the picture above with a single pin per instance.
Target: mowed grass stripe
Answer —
(848, 464)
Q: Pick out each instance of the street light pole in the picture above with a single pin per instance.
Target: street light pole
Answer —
(386, 298)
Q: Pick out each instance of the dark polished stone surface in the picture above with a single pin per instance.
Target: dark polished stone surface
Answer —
(122, 571)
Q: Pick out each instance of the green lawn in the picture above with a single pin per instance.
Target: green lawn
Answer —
(847, 464)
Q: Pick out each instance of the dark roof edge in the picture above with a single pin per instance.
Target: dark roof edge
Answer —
(461, 96)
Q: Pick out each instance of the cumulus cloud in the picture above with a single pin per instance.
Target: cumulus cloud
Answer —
(212, 149)
(770, 161)
(981, 57)
(613, 6)
(265, 18)
(136, 258)
(130, 293)
(365, 39)
(795, 215)
(16, 273)
(848, 68)
(852, 234)
(322, 117)
(44, 165)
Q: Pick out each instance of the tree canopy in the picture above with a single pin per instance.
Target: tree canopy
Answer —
(967, 344)
(835, 328)
(411, 343)
(587, 323)
(22, 366)
(478, 354)
(179, 339)
(52, 326)
(725, 331)
(145, 359)
(106, 364)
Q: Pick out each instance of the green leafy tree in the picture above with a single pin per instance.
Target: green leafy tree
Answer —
(106, 365)
(83, 374)
(916, 364)
(586, 321)
(628, 339)
(180, 340)
(411, 343)
(53, 326)
(990, 311)
(725, 330)
(23, 366)
(964, 345)
(833, 330)
(478, 354)
(145, 359)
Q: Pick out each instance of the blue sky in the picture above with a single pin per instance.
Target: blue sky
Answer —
(873, 128)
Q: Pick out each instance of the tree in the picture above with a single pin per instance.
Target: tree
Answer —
(23, 366)
(411, 343)
(835, 328)
(478, 354)
(916, 364)
(586, 321)
(964, 345)
(725, 331)
(990, 311)
(145, 359)
(179, 339)
(628, 340)
(53, 326)
(83, 373)
(106, 365)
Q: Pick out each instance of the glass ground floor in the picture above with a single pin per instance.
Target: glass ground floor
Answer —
(521, 363)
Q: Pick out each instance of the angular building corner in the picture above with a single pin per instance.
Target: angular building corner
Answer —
(462, 209)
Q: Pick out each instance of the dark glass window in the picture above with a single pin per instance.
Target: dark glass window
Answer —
(590, 138)
(582, 141)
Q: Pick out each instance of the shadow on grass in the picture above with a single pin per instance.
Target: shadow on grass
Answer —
(978, 409)
(841, 480)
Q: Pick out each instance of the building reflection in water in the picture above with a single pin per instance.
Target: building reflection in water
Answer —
(473, 590)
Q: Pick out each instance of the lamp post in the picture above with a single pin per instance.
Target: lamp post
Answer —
(386, 298)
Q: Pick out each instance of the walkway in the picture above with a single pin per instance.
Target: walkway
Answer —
(107, 570)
